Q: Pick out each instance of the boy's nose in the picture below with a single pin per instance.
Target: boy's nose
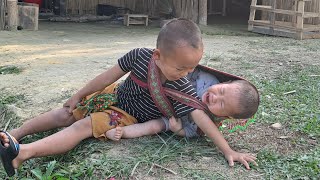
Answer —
(191, 70)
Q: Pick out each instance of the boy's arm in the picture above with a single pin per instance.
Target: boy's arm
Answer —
(208, 127)
(98, 83)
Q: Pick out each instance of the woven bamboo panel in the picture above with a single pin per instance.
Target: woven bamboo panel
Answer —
(81, 7)
(183, 8)
(187, 9)
(298, 19)
(312, 6)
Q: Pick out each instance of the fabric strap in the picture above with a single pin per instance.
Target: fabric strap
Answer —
(160, 94)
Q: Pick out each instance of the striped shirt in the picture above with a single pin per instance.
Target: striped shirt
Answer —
(137, 100)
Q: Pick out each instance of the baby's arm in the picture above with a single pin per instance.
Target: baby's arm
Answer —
(208, 127)
(98, 83)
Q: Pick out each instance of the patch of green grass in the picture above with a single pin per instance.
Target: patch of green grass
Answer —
(11, 99)
(293, 98)
(10, 70)
(295, 166)
(8, 118)
(227, 30)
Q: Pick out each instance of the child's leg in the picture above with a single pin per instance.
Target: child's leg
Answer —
(57, 143)
(137, 130)
(44, 122)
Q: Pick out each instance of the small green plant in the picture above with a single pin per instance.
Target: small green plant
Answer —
(10, 70)
(48, 174)
(11, 99)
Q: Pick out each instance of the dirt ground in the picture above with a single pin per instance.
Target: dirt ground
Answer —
(60, 58)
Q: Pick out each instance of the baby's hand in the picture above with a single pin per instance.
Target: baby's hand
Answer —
(243, 158)
(72, 103)
(175, 125)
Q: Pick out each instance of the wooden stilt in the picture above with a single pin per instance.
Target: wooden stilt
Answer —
(13, 18)
(3, 9)
(300, 20)
(252, 14)
(203, 12)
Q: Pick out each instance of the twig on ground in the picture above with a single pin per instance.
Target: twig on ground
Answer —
(169, 170)
(314, 75)
(257, 175)
(164, 142)
(7, 124)
(290, 92)
(150, 169)
(134, 168)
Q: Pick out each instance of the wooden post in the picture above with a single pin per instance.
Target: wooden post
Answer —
(318, 11)
(3, 6)
(13, 18)
(272, 17)
(224, 8)
(252, 14)
(195, 11)
(294, 17)
(63, 10)
(299, 27)
(203, 12)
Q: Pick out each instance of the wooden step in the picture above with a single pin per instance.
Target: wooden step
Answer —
(311, 15)
(261, 7)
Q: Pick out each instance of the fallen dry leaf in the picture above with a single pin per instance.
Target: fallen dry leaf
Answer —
(276, 126)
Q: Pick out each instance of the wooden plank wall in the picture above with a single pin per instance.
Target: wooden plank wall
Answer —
(81, 7)
(187, 9)
(312, 6)
(184, 8)
(3, 7)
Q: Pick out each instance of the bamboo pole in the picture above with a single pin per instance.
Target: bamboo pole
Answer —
(13, 18)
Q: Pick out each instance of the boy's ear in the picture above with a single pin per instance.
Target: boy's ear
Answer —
(156, 54)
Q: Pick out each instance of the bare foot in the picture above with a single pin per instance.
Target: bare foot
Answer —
(115, 134)
(175, 125)
(4, 139)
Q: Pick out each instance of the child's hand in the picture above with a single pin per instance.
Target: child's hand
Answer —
(243, 158)
(72, 103)
(175, 125)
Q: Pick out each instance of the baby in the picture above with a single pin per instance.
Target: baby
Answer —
(237, 99)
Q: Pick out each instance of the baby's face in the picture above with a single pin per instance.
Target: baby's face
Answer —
(222, 99)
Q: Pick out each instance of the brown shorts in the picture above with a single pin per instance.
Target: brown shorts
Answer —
(108, 119)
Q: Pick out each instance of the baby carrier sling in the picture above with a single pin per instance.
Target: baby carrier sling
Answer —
(160, 94)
